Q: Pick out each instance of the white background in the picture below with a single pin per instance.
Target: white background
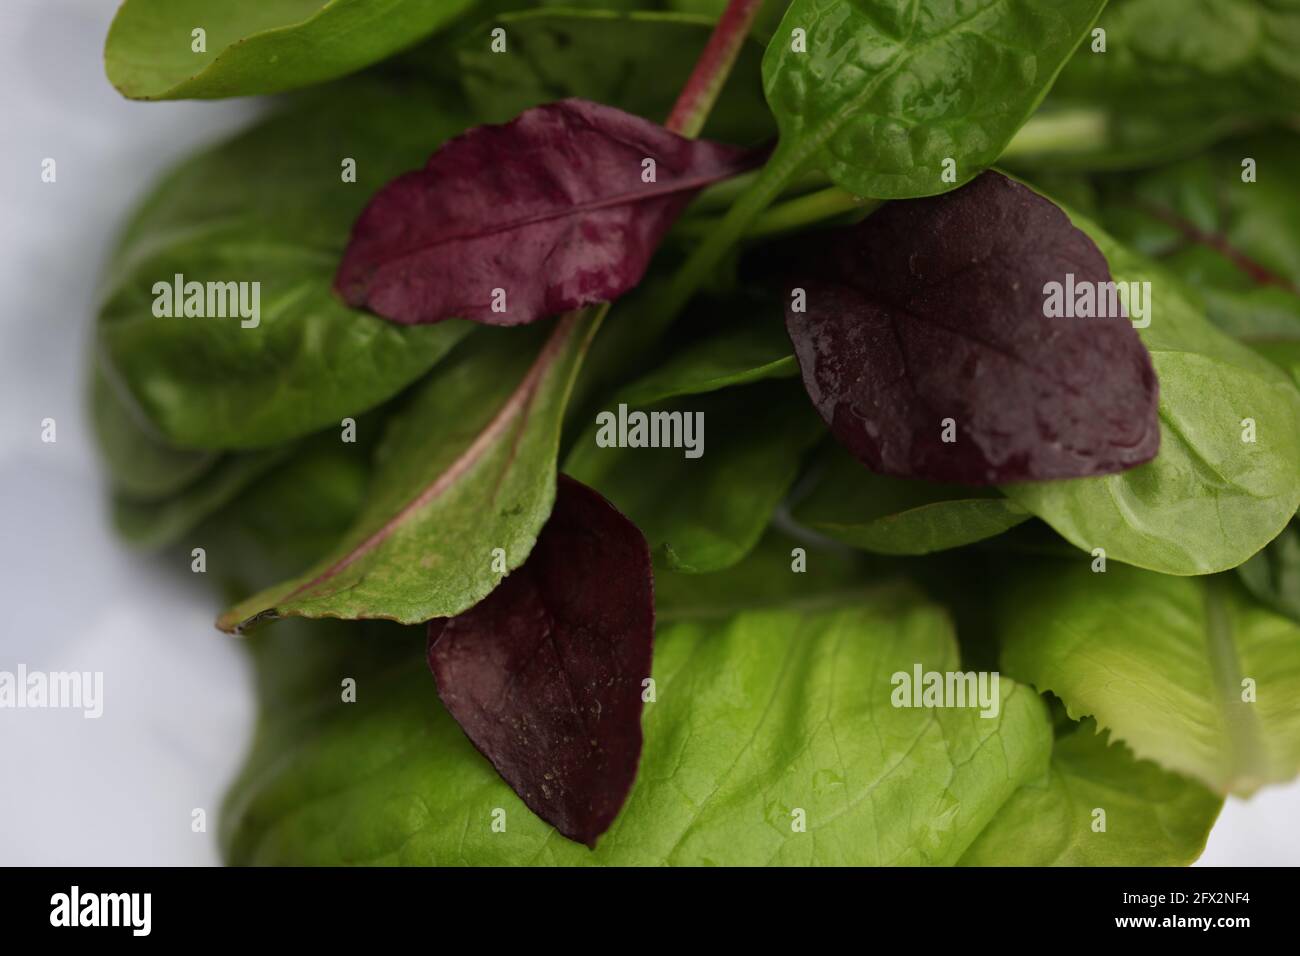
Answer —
(178, 698)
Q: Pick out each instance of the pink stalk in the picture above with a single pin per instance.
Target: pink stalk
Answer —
(712, 68)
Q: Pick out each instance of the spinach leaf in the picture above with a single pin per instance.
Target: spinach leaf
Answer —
(1235, 242)
(271, 207)
(887, 90)
(767, 579)
(850, 503)
(1210, 499)
(1205, 59)
(140, 466)
(750, 351)
(153, 524)
(257, 46)
(1153, 817)
(293, 514)
(1189, 672)
(751, 441)
(546, 674)
(1273, 575)
(754, 719)
(575, 201)
(467, 468)
(637, 62)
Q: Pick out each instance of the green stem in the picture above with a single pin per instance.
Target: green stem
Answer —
(1074, 130)
(720, 196)
(809, 209)
(729, 230)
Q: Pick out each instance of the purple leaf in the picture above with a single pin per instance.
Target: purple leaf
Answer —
(551, 209)
(544, 675)
(933, 309)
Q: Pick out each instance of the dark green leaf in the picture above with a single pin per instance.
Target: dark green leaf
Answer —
(1174, 77)
(635, 61)
(272, 207)
(748, 351)
(157, 523)
(1234, 241)
(1273, 575)
(850, 503)
(705, 512)
(140, 465)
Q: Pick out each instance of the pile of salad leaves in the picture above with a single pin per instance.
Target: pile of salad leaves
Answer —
(483, 637)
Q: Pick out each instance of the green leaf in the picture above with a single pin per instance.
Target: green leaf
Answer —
(1235, 242)
(292, 515)
(251, 47)
(754, 717)
(705, 513)
(140, 466)
(749, 351)
(1153, 818)
(467, 468)
(272, 207)
(155, 524)
(850, 503)
(1210, 499)
(1174, 78)
(1273, 575)
(889, 89)
(768, 578)
(635, 61)
(1162, 662)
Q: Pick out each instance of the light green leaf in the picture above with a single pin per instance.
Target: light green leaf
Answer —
(1210, 499)
(1153, 817)
(704, 513)
(1169, 665)
(755, 718)
(890, 89)
(850, 503)
(635, 61)
(252, 47)
(272, 207)
(467, 468)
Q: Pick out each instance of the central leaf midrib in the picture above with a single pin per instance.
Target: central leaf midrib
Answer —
(1246, 758)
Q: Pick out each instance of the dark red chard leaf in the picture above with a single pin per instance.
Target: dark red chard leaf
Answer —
(512, 223)
(933, 309)
(544, 675)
